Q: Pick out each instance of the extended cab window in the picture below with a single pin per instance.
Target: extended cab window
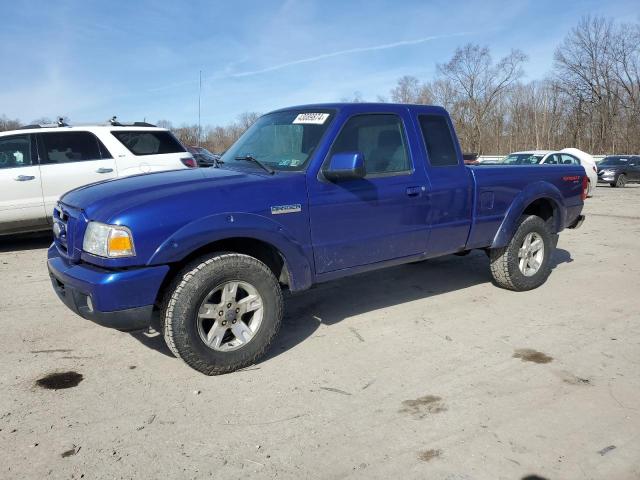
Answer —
(438, 140)
(148, 142)
(380, 138)
(64, 147)
(15, 151)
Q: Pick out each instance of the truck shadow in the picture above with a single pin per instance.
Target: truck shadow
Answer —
(332, 302)
(26, 241)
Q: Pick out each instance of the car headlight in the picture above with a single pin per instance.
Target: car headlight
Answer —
(109, 241)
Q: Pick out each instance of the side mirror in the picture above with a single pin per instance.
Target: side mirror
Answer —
(345, 166)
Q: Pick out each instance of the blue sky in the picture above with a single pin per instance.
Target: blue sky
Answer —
(90, 60)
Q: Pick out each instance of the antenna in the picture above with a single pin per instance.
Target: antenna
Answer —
(199, 96)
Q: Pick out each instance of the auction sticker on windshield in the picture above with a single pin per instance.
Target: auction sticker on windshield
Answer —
(312, 118)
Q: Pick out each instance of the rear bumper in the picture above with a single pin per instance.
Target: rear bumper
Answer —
(116, 299)
(577, 223)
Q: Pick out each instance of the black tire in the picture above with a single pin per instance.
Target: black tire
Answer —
(621, 181)
(504, 261)
(190, 288)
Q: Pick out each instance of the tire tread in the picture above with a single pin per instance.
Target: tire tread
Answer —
(183, 281)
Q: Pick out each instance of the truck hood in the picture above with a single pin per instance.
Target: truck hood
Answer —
(156, 206)
(106, 199)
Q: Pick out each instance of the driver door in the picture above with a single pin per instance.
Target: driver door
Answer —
(379, 217)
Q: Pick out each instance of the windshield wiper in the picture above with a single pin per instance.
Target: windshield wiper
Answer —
(249, 158)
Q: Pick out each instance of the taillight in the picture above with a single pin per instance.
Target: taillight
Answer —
(189, 162)
(585, 187)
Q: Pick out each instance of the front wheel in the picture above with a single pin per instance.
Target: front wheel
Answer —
(525, 263)
(620, 182)
(221, 312)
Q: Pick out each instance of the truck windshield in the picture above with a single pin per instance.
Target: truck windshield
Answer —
(280, 140)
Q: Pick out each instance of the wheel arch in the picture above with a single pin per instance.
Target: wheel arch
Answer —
(247, 234)
(543, 200)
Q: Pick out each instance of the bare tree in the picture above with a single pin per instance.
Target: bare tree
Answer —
(187, 134)
(410, 90)
(164, 124)
(356, 98)
(8, 123)
(584, 63)
(479, 84)
(246, 119)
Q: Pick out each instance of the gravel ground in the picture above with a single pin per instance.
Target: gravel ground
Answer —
(420, 371)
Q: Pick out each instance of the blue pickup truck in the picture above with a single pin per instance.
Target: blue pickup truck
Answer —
(308, 194)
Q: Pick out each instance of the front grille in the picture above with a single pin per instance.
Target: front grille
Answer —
(65, 227)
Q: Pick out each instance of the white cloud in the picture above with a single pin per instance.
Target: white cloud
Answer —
(348, 51)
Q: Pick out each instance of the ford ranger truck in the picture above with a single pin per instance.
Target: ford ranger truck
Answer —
(308, 194)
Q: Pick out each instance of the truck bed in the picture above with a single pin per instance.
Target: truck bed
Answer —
(499, 188)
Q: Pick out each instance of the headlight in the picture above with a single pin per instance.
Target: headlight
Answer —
(110, 241)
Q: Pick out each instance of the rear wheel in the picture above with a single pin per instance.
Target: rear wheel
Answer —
(525, 263)
(222, 312)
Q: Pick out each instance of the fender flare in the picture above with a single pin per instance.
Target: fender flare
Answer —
(534, 191)
(213, 228)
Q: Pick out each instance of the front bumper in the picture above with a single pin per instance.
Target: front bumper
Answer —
(121, 299)
(607, 177)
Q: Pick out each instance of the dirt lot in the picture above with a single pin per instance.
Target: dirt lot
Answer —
(420, 371)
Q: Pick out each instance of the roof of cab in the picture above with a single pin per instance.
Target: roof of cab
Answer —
(364, 107)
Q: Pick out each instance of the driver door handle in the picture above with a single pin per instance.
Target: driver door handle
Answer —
(24, 178)
(104, 170)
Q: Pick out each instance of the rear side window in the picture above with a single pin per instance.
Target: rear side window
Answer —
(15, 151)
(438, 140)
(148, 143)
(65, 147)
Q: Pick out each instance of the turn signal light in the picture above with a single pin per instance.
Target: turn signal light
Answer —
(120, 243)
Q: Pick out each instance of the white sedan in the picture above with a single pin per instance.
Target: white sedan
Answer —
(566, 156)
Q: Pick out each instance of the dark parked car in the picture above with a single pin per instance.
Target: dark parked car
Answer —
(618, 170)
(203, 156)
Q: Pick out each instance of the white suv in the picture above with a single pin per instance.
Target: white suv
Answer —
(39, 164)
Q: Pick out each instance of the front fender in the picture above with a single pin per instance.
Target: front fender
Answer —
(530, 194)
(206, 230)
